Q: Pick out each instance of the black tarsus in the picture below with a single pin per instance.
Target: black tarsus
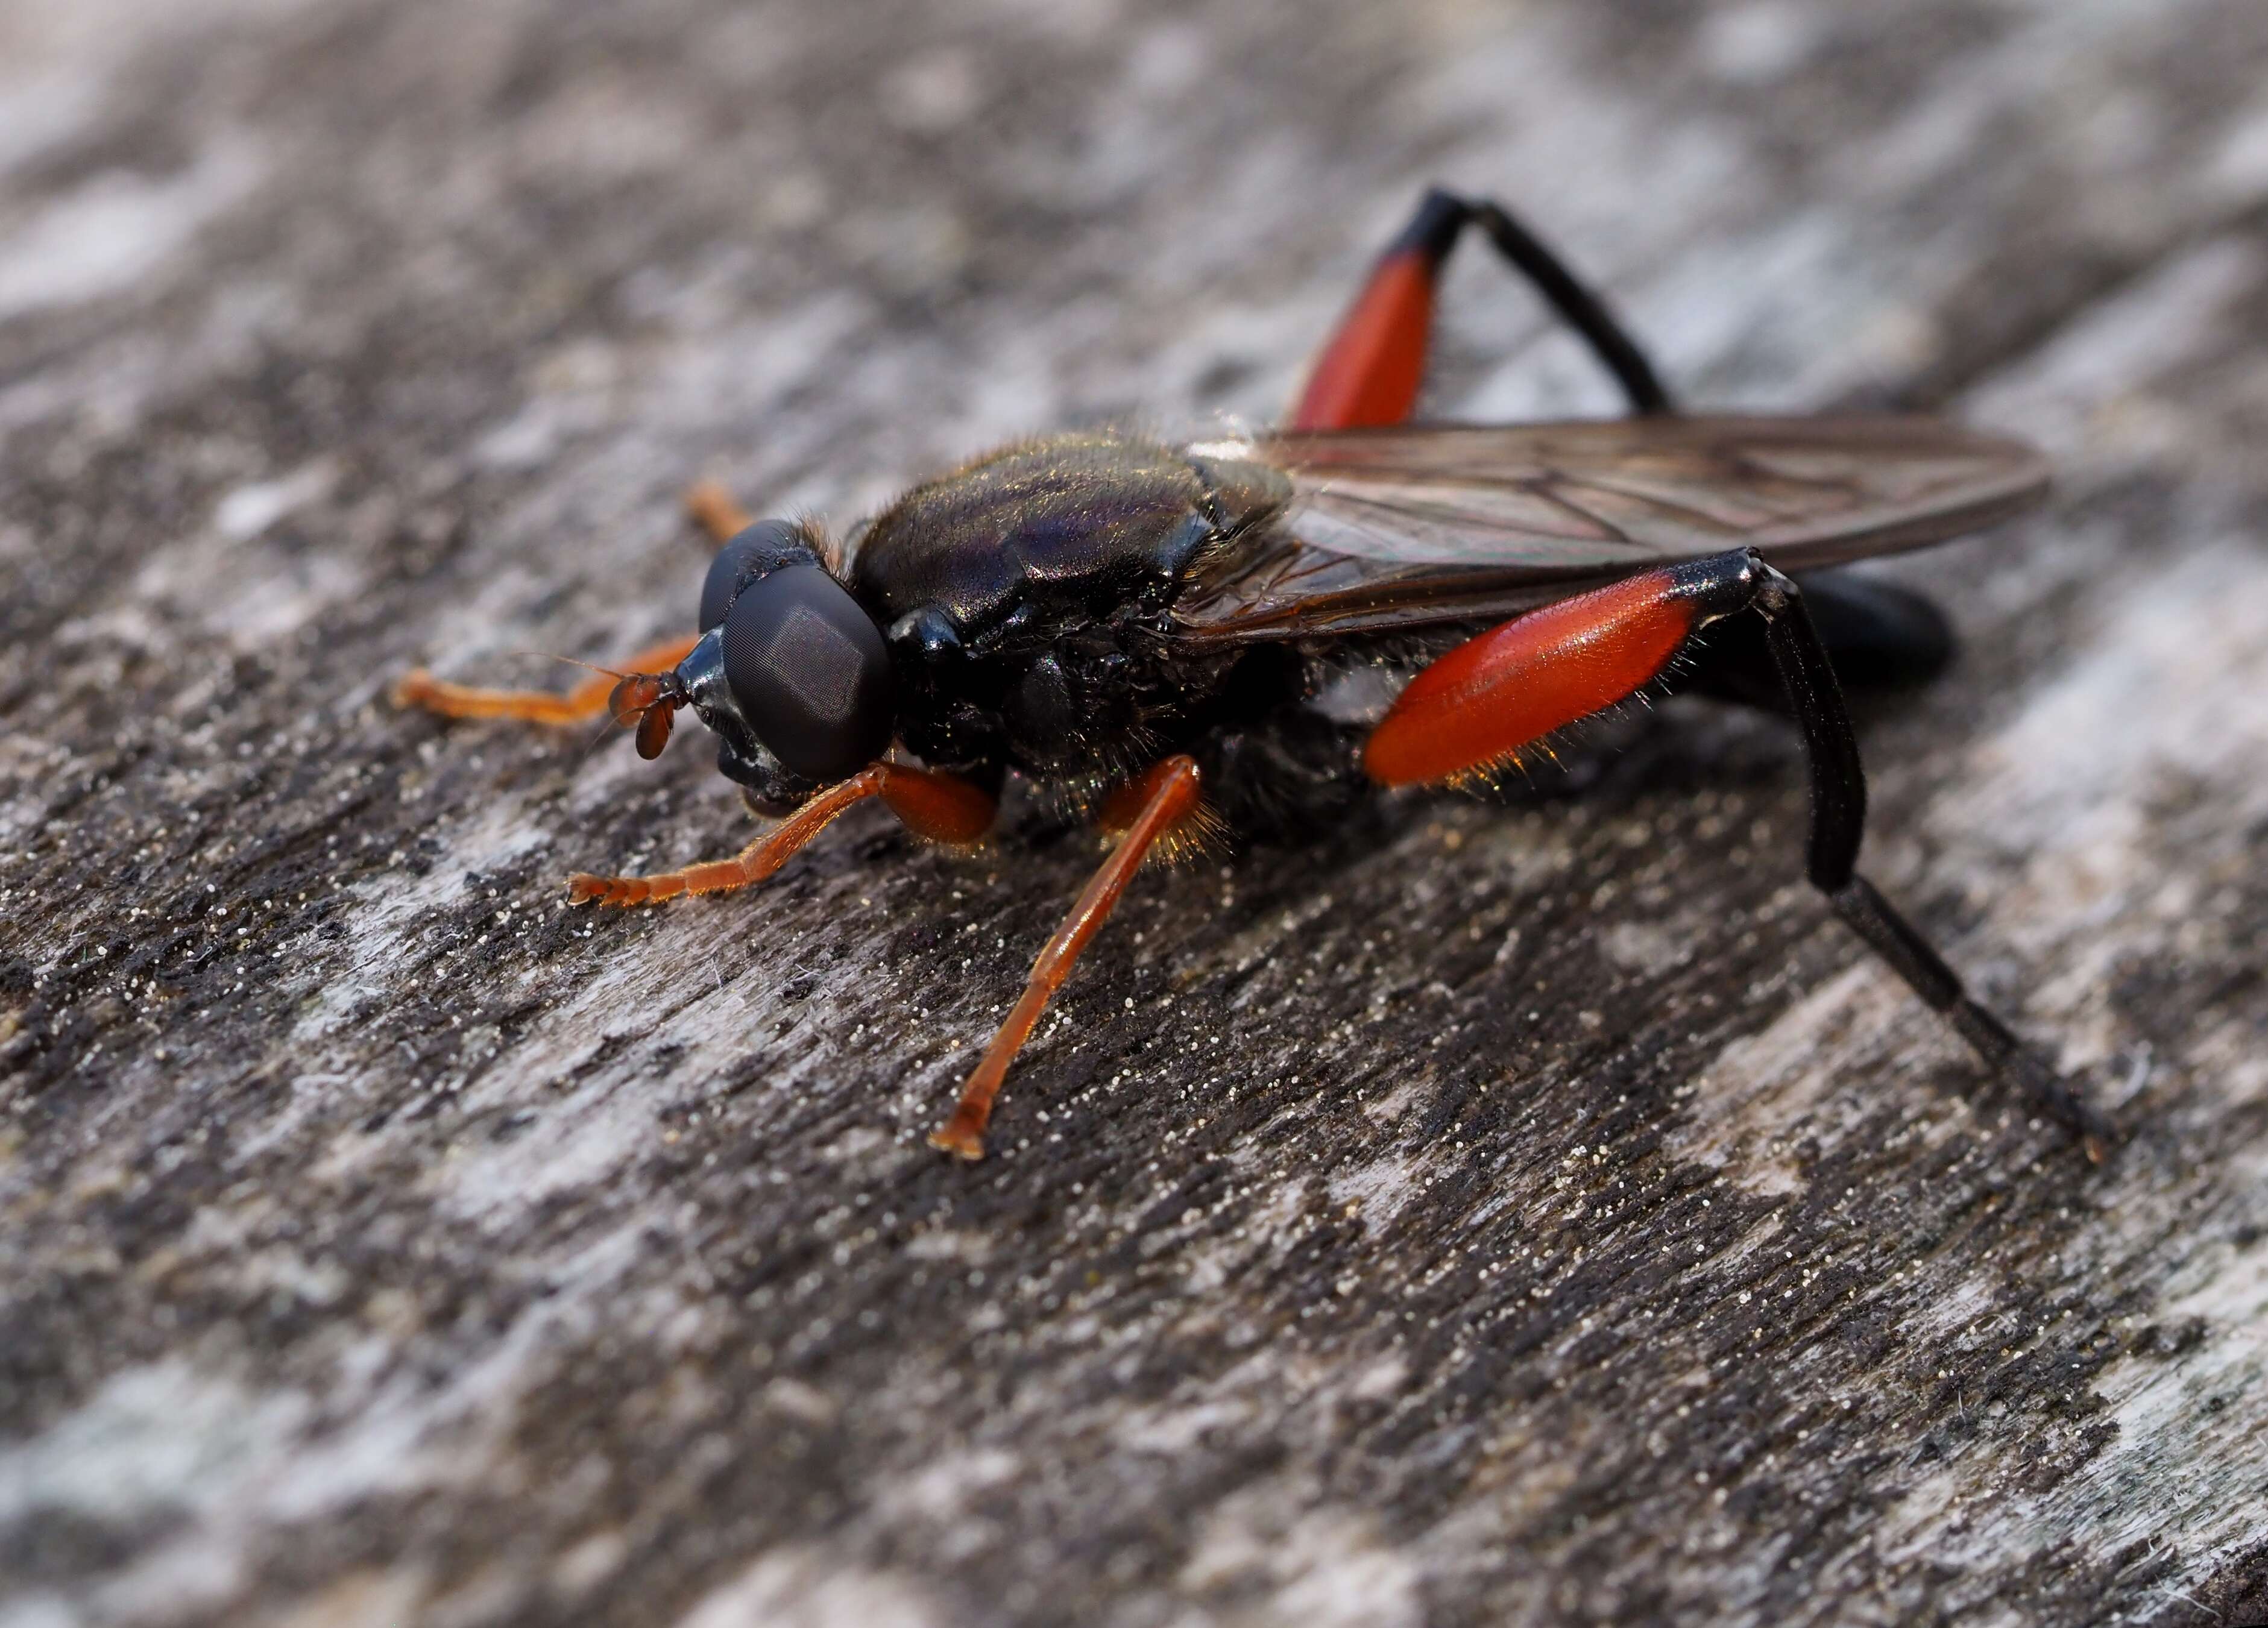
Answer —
(1441, 218)
(1741, 579)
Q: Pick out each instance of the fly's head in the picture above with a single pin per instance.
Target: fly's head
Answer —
(791, 673)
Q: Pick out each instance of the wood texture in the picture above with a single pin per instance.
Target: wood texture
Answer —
(1539, 1214)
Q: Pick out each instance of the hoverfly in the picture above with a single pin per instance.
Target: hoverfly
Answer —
(1143, 630)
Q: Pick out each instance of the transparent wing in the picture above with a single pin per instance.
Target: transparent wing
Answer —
(1419, 526)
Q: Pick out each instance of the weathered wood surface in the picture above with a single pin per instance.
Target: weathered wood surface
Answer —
(1538, 1215)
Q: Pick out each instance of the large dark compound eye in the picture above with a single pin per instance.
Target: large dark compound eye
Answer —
(809, 670)
(763, 546)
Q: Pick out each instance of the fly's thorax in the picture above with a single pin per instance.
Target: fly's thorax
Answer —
(1068, 523)
(1026, 596)
(948, 700)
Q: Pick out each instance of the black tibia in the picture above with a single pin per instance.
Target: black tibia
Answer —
(1880, 637)
(1442, 216)
(1893, 939)
(1838, 818)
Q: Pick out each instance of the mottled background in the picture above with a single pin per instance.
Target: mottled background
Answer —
(1540, 1214)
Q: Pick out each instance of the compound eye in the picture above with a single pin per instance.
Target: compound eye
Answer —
(741, 562)
(808, 668)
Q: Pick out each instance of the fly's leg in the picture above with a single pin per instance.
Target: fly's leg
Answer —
(1369, 372)
(1879, 635)
(1583, 310)
(711, 508)
(942, 807)
(1838, 813)
(587, 700)
(715, 510)
(1168, 795)
(1477, 707)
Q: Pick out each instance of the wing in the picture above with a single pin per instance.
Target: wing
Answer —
(1420, 525)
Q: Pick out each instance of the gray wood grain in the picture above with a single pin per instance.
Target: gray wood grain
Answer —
(1539, 1214)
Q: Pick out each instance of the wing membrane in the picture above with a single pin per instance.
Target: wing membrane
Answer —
(1424, 525)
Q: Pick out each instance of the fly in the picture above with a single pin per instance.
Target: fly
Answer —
(1142, 630)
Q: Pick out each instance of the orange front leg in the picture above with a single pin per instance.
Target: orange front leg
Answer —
(710, 507)
(587, 700)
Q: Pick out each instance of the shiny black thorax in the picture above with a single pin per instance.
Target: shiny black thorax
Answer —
(1027, 602)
